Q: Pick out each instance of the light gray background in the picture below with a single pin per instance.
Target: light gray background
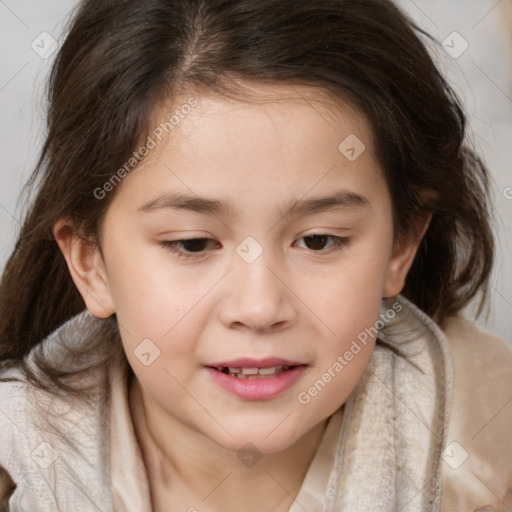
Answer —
(482, 75)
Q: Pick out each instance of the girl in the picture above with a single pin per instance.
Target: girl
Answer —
(239, 284)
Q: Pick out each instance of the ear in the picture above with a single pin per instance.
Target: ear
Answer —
(403, 257)
(86, 267)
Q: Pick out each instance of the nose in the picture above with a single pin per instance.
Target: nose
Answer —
(257, 297)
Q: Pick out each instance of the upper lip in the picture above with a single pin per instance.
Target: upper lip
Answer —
(248, 362)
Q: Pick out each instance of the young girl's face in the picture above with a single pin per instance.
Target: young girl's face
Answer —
(298, 256)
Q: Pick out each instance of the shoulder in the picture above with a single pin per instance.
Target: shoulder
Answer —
(7, 487)
(476, 462)
(13, 418)
(481, 359)
(39, 434)
(10, 393)
(466, 336)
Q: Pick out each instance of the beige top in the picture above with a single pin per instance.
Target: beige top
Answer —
(476, 471)
(460, 400)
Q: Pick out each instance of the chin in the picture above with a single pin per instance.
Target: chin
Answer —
(258, 440)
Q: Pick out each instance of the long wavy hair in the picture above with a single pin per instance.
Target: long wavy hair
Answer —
(122, 59)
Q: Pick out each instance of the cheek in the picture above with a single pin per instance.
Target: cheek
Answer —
(342, 357)
(349, 298)
(331, 385)
(159, 324)
(150, 295)
(165, 361)
(350, 310)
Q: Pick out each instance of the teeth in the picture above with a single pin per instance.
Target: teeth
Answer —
(250, 371)
(254, 373)
(270, 371)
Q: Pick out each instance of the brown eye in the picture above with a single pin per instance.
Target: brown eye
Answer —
(187, 247)
(317, 242)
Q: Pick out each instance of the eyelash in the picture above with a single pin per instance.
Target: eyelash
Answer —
(172, 246)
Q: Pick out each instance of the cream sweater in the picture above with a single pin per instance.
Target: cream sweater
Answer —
(427, 431)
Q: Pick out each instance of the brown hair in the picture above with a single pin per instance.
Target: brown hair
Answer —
(122, 58)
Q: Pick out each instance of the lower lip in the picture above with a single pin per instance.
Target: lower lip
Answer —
(257, 388)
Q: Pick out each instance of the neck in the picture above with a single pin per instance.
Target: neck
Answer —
(190, 463)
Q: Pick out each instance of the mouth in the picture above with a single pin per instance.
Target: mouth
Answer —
(255, 372)
(256, 380)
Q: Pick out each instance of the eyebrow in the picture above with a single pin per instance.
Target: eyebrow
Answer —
(343, 199)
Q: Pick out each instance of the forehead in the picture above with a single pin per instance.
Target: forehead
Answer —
(308, 102)
(281, 140)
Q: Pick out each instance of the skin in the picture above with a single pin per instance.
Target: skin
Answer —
(298, 300)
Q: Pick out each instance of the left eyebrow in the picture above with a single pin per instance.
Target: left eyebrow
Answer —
(343, 199)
